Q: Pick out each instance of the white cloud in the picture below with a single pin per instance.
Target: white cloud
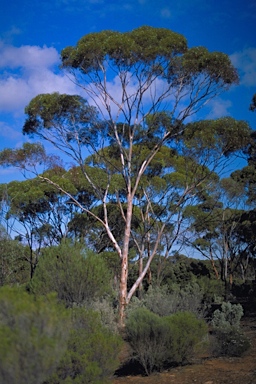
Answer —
(28, 71)
(218, 108)
(245, 62)
(27, 56)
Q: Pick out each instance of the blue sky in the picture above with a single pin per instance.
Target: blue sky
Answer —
(32, 34)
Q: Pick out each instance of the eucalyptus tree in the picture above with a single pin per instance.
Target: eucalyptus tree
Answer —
(245, 233)
(36, 213)
(245, 178)
(219, 217)
(218, 227)
(141, 87)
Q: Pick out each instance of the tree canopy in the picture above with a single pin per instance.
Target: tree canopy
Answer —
(136, 138)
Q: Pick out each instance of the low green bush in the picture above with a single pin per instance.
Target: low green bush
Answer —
(158, 341)
(92, 353)
(33, 336)
(148, 336)
(229, 315)
(230, 342)
(76, 274)
(186, 334)
(105, 307)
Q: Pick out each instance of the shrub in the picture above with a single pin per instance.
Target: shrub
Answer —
(213, 289)
(164, 302)
(92, 354)
(230, 342)
(33, 334)
(188, 299)
(107, 312)
(157, 341)
(148, 337)
(228, 338)
(156, 300)
(187, 333)
(75, 274)
(229, 315)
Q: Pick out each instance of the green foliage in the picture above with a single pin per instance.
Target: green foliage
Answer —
(33, 334)
(224, 135)
(213, 289)
(39, 207)
(230, 342)
(157, 341)
(198, 60)
(29, 154)
(76, 274)
(156, 299)
(45, 109)
(142, 45)
(148, 336)
(13, 266)
(228, 338)
(107, 312)
(246, 178)
(92, 354)
(150, 156)
(187, 333)
(180, 270)
(165, 301)
(229, 316)
(158, 49)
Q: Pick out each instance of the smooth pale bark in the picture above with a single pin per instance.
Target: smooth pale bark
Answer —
(124, 263)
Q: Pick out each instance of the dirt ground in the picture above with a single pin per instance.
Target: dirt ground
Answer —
(207, 370)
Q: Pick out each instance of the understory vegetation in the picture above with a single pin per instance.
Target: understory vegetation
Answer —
(65, 329)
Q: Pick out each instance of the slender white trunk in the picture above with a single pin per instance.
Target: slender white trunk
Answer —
(124, 264)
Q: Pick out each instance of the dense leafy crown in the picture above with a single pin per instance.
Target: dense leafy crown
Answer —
(142, 44)
(150, 46)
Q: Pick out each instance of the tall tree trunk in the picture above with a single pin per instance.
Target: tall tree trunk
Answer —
(140, 289)
(124, 265)
(123, 290)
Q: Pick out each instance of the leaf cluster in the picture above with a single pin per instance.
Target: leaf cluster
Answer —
(142, 45)
(225, 135)
(216, 65)
(30, 154)
(57, 110)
